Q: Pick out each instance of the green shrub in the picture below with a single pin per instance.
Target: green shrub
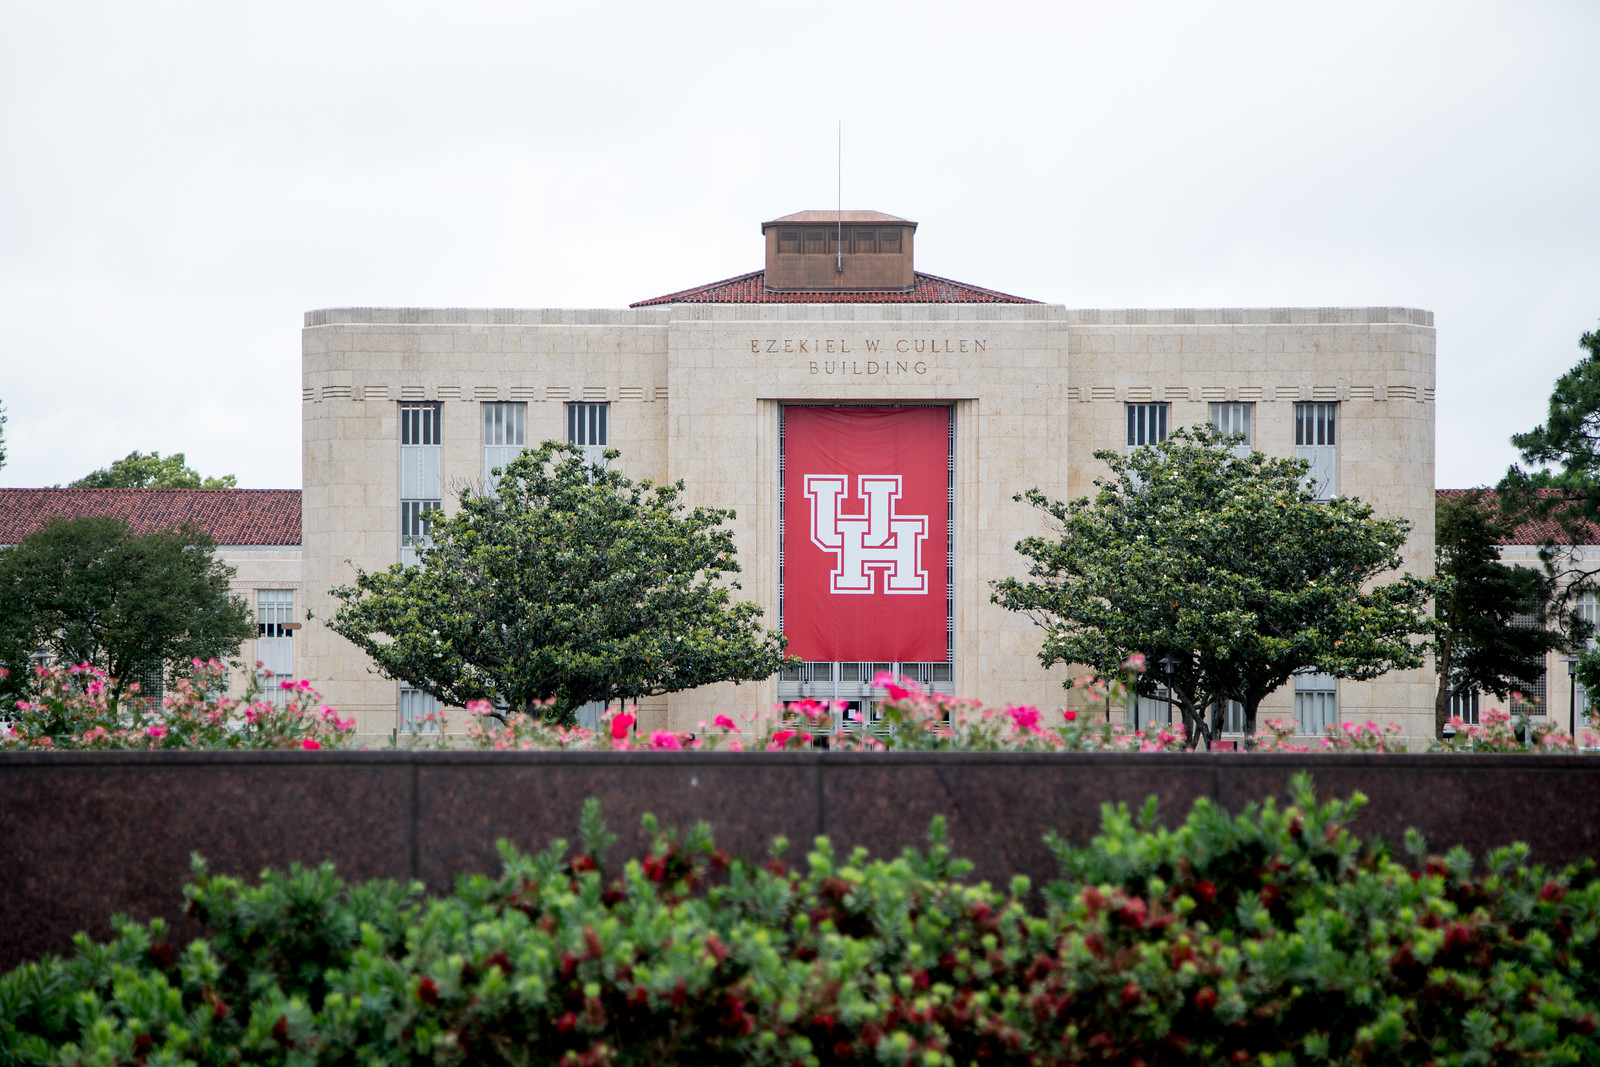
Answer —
(1270, 937)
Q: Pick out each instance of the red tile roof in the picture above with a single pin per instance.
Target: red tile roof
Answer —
(231, 516)
(1537, 531)
(751, 289)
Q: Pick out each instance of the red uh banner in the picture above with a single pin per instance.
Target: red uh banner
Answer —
(864, 540)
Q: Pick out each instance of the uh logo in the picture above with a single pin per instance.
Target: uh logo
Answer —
(880, 540)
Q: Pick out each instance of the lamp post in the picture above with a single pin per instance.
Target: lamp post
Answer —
(1167, 663)
(1572, 699)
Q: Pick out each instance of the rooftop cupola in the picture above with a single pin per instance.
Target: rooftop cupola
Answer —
(839, 251)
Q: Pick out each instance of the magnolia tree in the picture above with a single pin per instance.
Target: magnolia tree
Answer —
(91, 590)
(567, 584)
(1224, 568)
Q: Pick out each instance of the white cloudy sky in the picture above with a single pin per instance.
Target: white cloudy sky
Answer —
(180, 181)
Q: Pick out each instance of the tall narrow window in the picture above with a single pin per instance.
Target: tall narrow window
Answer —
(1236, 418)
(421, 474)
(1147, 424)
(1464, 705)
(1316, 705)
(1314, 442)
(586, 426)
(504, 435)
(274, 644)
(419, 712)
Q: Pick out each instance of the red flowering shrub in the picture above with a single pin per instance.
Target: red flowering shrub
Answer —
(1270, 937)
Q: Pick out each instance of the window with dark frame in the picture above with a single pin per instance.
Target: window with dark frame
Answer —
(1147, 424)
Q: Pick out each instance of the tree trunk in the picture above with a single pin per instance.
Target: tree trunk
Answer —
(1251, 705)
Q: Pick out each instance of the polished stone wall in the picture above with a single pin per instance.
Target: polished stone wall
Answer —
(87, 835)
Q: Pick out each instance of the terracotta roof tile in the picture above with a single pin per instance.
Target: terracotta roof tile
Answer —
(231, 516)
(751, 289)
(1535, 532)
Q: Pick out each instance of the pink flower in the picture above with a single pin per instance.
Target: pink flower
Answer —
(725, 722)
(159, 730)
(1026, 719)
(285, 684)
(780, 739)
(1134, 662)
(662, 739)
(619, 726)
(310, 744)
(1069, 715)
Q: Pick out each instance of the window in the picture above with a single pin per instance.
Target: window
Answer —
(889, 240)
(1147, 424)
(1236, 418)
(866, 241)
(1233, 718)
(816, 242)
(849, 687)
(1464, 706)
(1147, 710)
(274, 644)
(788, 242)
(1314, 442)
(421, 474)
(418, 712)
(586, 426)
(504, 435)
(1316, 705)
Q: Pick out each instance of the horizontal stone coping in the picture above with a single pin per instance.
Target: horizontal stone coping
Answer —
(1221, 758)
(898, 313)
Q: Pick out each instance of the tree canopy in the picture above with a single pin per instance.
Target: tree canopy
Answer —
(569, 584)
(154, 471)
(1494, 622)
(1224, 565)
(90, 590)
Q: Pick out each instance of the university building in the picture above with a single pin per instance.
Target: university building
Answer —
(870, 424)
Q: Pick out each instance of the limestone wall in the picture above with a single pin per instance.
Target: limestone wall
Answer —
(697, 391)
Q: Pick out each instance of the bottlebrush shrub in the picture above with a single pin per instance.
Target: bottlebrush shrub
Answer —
(1271, 937)
(74, 711)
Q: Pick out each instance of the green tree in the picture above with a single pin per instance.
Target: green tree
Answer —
(1560, 487)
(90, 590)
(569, 584)
(1226, 565)
(1493, 621)
(154, 471)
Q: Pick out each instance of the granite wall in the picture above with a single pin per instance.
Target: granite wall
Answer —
(86, 835)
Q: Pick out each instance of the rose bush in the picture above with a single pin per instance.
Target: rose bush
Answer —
(1271, 937)
(75, 709)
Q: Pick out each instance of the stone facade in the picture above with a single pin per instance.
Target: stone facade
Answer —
(695, 391)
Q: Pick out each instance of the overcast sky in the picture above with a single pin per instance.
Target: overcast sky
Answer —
(180, 182)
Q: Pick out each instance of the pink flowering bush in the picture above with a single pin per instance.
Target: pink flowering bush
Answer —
(74, 710)
(1278, 735)
(1497, 731)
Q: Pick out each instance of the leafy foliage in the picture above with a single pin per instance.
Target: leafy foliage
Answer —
(570, 584)
(1224, 566)
(1270, 937)
(1478, 601)
(91, 591)
(74, 710)
(154, 471)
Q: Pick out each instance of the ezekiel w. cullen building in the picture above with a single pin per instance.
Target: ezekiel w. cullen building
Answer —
(917, 407)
